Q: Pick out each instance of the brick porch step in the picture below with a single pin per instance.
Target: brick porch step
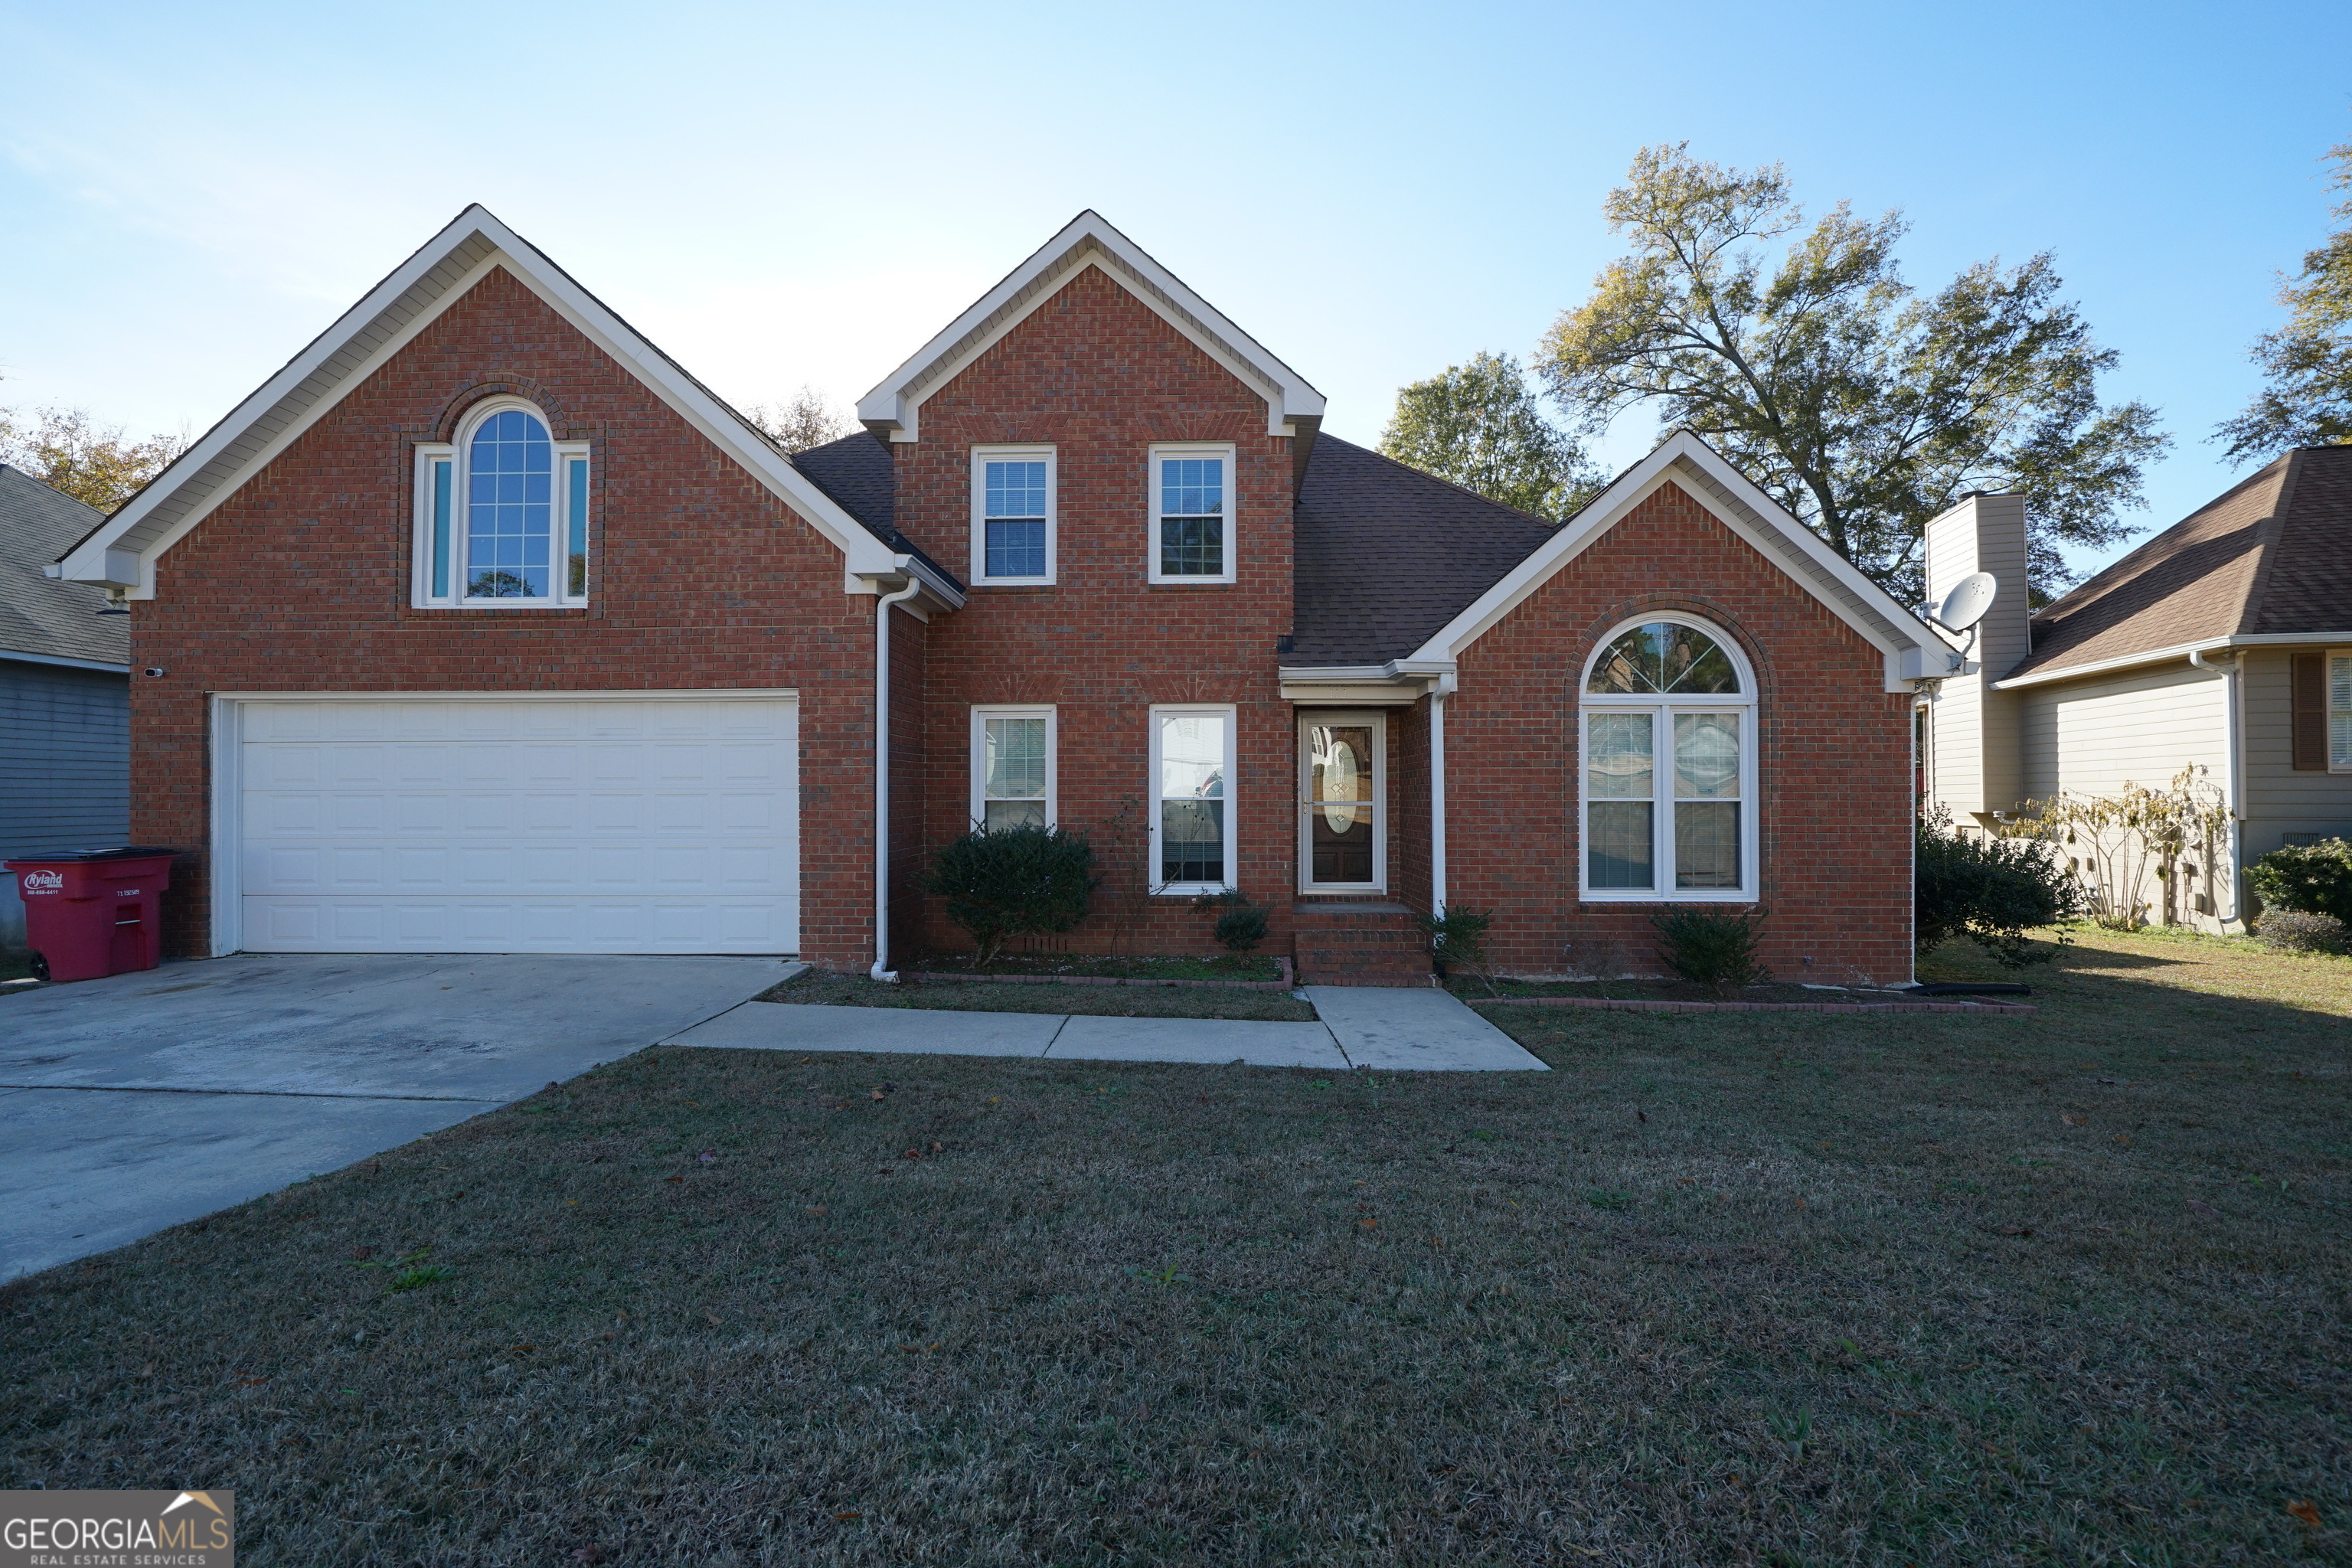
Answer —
(1358, 942)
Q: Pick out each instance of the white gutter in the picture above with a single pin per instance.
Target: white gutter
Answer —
(882, 969)
(1437, 695)
(2188, 650)
(2232, 773)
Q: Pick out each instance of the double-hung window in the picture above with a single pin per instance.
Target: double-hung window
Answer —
(1668, 767)
(1192, 507)
(501, 513)
(1191, 799)
(1013, 514)
(1012, 767)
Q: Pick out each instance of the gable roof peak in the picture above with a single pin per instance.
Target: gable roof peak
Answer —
(893, 408)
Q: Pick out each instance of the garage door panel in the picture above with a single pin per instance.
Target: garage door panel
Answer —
(602, 826)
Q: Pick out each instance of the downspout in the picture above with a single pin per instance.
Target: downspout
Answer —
(1437, 695)
(2232, 773)
(882, 969)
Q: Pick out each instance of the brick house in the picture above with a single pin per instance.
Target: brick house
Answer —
(484, 626)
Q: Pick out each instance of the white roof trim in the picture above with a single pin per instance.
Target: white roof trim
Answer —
(122, 552)
(1913, 650)
(896, 404)
(98, 665)
(2178, 651)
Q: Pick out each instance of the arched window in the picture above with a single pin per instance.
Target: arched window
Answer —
(502, 512)
(1668, 780)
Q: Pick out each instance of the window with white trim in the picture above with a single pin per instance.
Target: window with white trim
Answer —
(1191, 508)
(1013, 514)
(502, 513)
(1012, 767)
(1193, 799)
(1668, 780)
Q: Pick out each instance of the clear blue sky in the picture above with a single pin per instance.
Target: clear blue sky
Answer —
(787, 193)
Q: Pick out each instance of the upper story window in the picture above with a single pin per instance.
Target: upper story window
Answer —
(1192, 514)
(502, 513)
(1669, 767)
(1013, 514)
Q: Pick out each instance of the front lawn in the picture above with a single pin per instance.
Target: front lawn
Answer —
(1743, 1288)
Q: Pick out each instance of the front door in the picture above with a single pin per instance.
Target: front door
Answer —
(1343, 826)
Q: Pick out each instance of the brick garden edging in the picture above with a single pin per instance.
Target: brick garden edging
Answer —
(924, 977)
(1640, 1006)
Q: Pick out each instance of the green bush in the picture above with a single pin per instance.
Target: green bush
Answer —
(2314, 877)
(1241, 925)
(1710, 946)
(1015, 881)
(1990, 891)
(2301, 931)
(1458, 941)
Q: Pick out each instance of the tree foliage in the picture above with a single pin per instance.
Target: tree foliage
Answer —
(1861, 406)
(2306, 399)
(1479, 425)
(68, 451)
(809, 419)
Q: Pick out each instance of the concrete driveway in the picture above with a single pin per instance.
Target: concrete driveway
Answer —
(143, 1101)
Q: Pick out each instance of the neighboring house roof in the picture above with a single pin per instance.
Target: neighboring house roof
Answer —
(124, 549)
(1386, 554)
(895, 406)
(2269, 559)
(40, 616)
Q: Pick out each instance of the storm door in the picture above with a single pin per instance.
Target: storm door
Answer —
(1343, 826)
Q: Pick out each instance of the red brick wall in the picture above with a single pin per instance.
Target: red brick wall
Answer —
(700, 578)
(1833, 759)
(1101, 376)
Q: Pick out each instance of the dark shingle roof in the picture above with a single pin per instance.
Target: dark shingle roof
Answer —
(40, 614)
(857, 474)
(1387, 554)
(2273, 553)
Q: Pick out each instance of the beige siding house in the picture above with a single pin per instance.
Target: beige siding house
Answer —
(2223, 643)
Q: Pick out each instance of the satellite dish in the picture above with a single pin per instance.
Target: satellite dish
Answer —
(1965, 604)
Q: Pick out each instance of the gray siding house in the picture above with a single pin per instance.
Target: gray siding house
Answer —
(65, 706)
(2224, 641)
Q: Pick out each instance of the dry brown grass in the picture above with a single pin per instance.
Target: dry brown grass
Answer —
(1723, 1288)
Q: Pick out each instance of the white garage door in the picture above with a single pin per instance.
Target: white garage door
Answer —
(450, 825)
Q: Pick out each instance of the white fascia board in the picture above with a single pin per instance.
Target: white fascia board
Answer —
(938, 592)
(1913, 649)
(896, 402)
(2177, 650)
(108, 554)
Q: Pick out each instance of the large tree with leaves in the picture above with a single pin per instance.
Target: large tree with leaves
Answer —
(68, 451)
(1481, 426)
(2306, 397)
(1861, 406)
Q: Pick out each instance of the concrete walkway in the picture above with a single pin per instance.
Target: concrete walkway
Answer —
(1360, 1026)
(143, 1101)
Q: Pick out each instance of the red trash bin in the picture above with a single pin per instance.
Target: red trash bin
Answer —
(92, 912)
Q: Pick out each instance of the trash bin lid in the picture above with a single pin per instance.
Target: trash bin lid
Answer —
(128, 852)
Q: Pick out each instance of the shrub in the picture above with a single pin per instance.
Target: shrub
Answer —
(1990, 891)
(2301, 931)
(1458, 941)
(1015, 881)
(1241, 925)
(1710, 946)
(2315, 879)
